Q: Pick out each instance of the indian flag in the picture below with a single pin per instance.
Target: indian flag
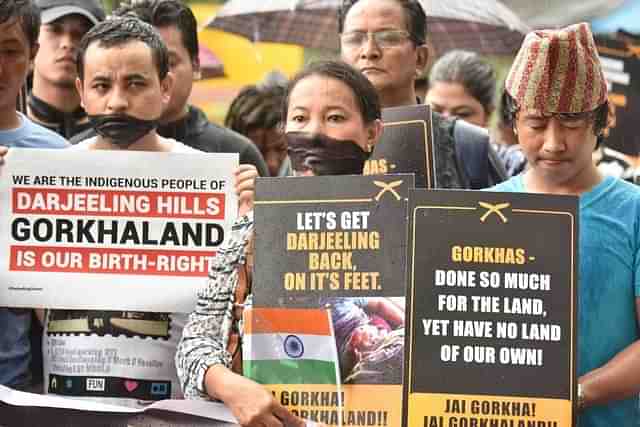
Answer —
(289, 346)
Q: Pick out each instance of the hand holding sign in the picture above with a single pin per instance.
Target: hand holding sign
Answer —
(3, 152)
(245, 185)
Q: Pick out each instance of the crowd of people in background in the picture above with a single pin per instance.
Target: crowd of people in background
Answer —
(123, 81)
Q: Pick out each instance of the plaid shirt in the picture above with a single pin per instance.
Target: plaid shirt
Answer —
(205, 337)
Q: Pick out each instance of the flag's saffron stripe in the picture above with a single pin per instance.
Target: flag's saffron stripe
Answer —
(293, 321)
(272, 347)
(290, 371)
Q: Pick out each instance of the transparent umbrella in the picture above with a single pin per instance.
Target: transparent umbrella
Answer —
(485, 26)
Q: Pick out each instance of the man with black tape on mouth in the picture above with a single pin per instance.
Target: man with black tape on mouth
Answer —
(331, 120)
(124, 84)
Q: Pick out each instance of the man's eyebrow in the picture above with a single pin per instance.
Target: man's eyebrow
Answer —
(362, 30)
(573, 116)
(135, 76)
(101, 77)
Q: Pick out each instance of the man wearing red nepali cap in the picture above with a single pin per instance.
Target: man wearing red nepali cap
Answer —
(556, 99)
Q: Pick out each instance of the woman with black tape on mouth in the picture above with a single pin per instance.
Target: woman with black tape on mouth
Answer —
(332, 119)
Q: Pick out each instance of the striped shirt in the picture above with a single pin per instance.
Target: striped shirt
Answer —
(205, 337)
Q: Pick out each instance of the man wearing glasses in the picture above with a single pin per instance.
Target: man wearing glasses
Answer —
(385, 40)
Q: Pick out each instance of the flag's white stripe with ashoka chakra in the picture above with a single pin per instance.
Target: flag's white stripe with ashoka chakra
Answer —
(289, 346)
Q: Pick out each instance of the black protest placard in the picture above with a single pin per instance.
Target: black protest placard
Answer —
(339, 242)
(330, 236)
(406, 145)
(491, 309)
(621, 66)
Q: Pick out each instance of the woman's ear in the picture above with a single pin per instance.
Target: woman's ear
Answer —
(374, 132)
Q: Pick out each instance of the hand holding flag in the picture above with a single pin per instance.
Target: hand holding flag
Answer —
(289, 346)
(250, 402)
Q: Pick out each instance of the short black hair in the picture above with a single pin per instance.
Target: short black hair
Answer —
(120, 31)
(471, 71)
(27, 13)
(509, 109)
(414, 15)
(363, 91)
(166, 13)
(256, 107)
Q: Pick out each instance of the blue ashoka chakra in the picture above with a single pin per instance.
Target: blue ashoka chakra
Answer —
(293, 347)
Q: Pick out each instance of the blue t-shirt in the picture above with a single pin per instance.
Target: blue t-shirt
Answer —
(609, 283)
(31, 135)
(15, 347)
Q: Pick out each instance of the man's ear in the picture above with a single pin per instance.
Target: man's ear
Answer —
(34, 52)
(165, 87)
(197, 72)
(80, 90)
(374, 132)
(422, 59)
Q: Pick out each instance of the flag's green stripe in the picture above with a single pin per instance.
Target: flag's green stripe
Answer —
(290, 371)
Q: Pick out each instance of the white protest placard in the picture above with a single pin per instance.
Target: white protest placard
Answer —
(206, 409)
(124, 230)
(214, 411)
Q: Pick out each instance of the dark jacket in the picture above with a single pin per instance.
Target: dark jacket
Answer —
(448, 171)
(196, 131)
(464, 157)
(512, 157)
(64, 124)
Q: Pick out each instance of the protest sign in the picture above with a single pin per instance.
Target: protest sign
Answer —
(406, 145)
(491, 304)
(97, 413)
(621, 66)
(106, 229)
(337, 242)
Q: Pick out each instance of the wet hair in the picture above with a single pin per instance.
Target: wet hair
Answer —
(256, 107)
(120, 31)
(600, 116)
(468, 69)
(509, 108)
(27, 13)
(414, 16)
(363, 91)
(166, 13)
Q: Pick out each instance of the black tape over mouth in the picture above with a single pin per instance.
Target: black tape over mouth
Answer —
(324, 155)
